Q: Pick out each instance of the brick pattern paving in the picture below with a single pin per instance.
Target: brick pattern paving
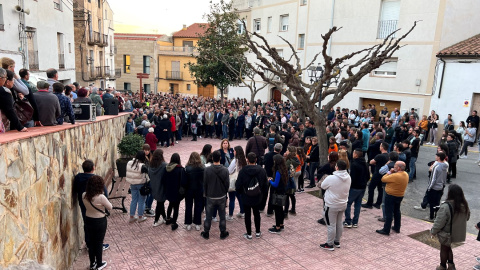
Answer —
(141, 246)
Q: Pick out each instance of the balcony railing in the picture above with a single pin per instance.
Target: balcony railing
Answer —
(385, 28)
(91, 73)
(90, 40)
(106, 71)
(33, 60)
(96, 38)
(118, 72)
(61, 61)
(105, 40)
(113, 50)
(174, 75)
(175, 50)
(99, 72)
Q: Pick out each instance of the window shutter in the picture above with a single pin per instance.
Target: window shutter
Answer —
(390, 10)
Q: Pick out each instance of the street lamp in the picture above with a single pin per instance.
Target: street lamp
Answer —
(316, 73)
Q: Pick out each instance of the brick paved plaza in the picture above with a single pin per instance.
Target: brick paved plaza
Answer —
(141, 246)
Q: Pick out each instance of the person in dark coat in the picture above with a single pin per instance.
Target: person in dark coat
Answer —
(226, 153)
(217, 120)
(251, 204)
(164, 127)
(231, 127)
(257, 144)
(240, 125)
(174, 176)
(270, 174)
(155, 173)
(194, 191)
(360, 176)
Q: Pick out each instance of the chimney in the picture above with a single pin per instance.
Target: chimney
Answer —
(184, 27)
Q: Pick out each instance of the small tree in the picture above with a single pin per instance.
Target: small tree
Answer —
(305, 95)
(219, 44)
(130, 145)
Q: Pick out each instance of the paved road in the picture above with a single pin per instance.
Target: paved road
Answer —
(468, 178)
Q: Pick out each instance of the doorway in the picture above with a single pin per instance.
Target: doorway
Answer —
(174, 88)
(276, 95)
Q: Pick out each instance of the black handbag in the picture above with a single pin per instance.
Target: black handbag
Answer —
(145, 189)
(106, 213)
(279, 199)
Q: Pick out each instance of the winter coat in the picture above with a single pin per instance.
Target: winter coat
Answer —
(256, 144)
(243, 180)
(359, 173)
(216, 182)
(194, 180)
(439, 176)
(156, 179)
(151, 140)
(173, 176)
(337, 188)
(135, 175)
(452, 151)
(459, 222)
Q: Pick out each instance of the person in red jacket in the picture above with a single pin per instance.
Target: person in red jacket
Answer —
(174, 128)
(151, 140)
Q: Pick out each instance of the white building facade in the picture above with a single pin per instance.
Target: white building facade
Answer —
(47, 40)
(110, 49)
(407, 82)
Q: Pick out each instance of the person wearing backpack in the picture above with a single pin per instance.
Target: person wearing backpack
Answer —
(293, 164)
(274, 138)
(251, 185)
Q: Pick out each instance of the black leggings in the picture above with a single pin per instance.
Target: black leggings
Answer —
(160, 211)
(287, 203)
(446, 254)
(173, 206)
(279, 215)
(96, 228)
(248, 218)
(300, 178)
(465, 147)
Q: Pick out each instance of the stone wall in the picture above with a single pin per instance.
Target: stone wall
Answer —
(39, 217)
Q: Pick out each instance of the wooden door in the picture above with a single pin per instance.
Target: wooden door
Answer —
(380, 104)
(207, 91)
(475, 106)
(276, 95)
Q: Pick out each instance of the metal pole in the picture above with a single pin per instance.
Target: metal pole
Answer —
(141, 92)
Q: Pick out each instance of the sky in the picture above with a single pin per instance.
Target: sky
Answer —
(157, 16)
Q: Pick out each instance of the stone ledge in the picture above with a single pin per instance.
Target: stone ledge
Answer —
(14, 135)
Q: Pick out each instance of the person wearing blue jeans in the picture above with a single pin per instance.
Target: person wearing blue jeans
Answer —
(231, 205)
(360, 175)
(138, 201)
(414, 149)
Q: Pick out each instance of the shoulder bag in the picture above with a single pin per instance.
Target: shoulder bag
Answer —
(106, 213)
(24, 111)
(260, 160)
(145, 189)
(233, 179)
(279, 199)
(445, 238)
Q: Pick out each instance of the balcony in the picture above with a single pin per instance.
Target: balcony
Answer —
(385, 28)
(99, 72)
(174, 75)
(113, 50)
(90, 39)
(104, 41)
(96, 38)
(118, 72)
(175, 50)
(91, 73)
(61, 61)
(33, 60)
(107, 71)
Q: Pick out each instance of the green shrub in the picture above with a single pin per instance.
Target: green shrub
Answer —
(130, 145)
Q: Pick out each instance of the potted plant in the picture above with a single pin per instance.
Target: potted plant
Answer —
(128, 148)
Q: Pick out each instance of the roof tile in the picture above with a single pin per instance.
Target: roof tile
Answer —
(468, 47)
(127, 36)
(193, 31)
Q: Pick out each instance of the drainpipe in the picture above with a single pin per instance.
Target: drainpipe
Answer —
(441, 80)
(331, 26)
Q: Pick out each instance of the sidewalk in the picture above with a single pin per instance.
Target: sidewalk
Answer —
(141, 246)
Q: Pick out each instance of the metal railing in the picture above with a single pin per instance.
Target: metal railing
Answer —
(99, 72)
(33, 60)
(96, 38)
(385, 28)
(91, 72)
(174, 75)
(113, 50)
(106, 71)
(61, 61)
(118, 72)
(105, 40)
(176, 50)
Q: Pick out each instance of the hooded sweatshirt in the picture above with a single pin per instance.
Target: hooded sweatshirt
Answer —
(337, 188)
(173, 176)
(216, 182)
(243, 180)
(156, 175)
(439, 176)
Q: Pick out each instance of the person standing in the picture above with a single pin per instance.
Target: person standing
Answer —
(218, 122)
(359, 178)
(269, 168)
(234, 168)
(215, 188)
(452, 156)
(451, 218)
(414, 149)
(251, 181)
(336, 188)
(432, 126)
(47, 104)
(174, 184)
(279, 185)
(194, 171)
(257, 144)
(379, 161)
(136, 177)
(397, 181)
(209, 117)
(96, 205)
(155, 172)
(474, 119)
(313, 160)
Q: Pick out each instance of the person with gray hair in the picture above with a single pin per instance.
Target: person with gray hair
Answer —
(257, 144)
(97, 100)
(52, 77)
(6, 104)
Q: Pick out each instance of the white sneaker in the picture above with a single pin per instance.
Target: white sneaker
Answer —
(159, 222)
(416, 207)
(215, 219)
(176, 142)
(478, 259)
(188, 227)
(141, 219)
(229, 218)
(477, 162)
(241, 215)
(197, 227)
(477, 267)
(433, 144)
(462, 157)
(132, 220)
(428, 143)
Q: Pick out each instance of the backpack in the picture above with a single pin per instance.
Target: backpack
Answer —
(291, 186)
(253, 188)
(271, 143)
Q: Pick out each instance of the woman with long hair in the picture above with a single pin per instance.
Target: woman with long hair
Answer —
(174, 176)
(137, 179)
(96, 205)
(194, 191)
(206, 150)
(226, 152)
(294, 169)
(234, 168)
(313, 158)
(343, 155)
(468, 139)
(155, 172)
(279, 184)
(301, 157)
(451, 218)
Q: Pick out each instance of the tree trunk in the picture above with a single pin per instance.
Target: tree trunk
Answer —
(252, 99)
(320, 124)
(221, 95)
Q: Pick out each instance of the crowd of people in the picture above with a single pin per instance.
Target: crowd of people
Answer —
(282, 152)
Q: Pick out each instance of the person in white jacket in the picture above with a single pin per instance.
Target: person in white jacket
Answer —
(337, 187)
(137, 178)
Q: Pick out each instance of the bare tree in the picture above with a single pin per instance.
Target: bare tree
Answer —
(304, 95)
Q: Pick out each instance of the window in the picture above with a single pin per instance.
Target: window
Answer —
(70, 47)
(187, 43)
(301, 41)
(32, 48)
(99, 4)
(61, 52)
(127, 86)
(303, 2)
(388, 69)
(146, 64)
(256, 25)
(126, 63)
(2, 26)
(389, 14)
(240, 27)
(146, 88)
(284, 23)
(57, 4)
(269, 25)
(188, 87)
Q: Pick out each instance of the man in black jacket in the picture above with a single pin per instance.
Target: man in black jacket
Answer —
(217, 120)
(269, 170)
(376, 182)
(360, 175)
(215, 187)
(251, 203)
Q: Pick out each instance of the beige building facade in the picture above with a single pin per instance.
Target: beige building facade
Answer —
(93, 24)
(407, 80)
